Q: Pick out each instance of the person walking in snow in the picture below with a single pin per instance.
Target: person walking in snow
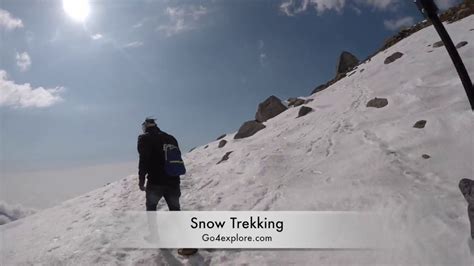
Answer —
(161, 165)
(467, 189)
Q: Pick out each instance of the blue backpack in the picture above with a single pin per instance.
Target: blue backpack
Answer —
(174, 165)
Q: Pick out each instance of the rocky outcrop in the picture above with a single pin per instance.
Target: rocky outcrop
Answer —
(304, 110)
(221, 136)
(377, 102)
(347, 62)
(248, 129)
(453, 14)
(269, 108)
(392, 58)
(458, 12)
(295, 102)
(225, 157)
(420, 124)
(222, 143)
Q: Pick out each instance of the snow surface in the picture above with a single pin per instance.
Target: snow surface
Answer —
(341, 156)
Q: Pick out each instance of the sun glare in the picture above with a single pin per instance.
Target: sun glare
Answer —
(77, 9)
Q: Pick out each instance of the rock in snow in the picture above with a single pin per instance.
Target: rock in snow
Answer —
(222, 143)
(392, 58)
(319, 88)
(347, 61)
(438, 44)
(225, 157)
(295, 102)
(461, 44)
(248, 129)
(304, 110)
(420, 124)
(269, 108)
(377, 102)
(221, 136)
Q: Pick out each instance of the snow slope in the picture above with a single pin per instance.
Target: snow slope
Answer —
(341, 156)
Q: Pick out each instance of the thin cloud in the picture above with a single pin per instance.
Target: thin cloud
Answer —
(135, 44)
(8, 22)
(395, 24)
(380, 4)
(97, 36)
(182, 19)
(262, 57)
(23, 61)
(25, 96)
(357, 10)
(294, 7)
(445, 4)
(138, 25)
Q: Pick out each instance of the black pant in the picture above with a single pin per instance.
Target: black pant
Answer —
(155, 193)
(470, 212)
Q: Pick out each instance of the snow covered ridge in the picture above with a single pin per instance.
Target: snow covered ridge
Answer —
(340, 156)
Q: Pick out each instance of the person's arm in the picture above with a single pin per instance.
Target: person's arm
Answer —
(467, 189)
(144, 151)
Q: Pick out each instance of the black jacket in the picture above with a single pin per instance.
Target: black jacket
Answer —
(152, 159)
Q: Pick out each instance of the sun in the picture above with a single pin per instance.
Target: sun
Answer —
(77, 9)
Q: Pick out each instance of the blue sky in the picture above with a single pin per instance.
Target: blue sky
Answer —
(75, 93)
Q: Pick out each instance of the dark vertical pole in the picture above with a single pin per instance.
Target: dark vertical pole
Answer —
(429, 8)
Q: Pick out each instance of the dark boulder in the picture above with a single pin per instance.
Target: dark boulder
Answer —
(221, 137)
(438, 44)
(205, 147)
(420, 124)
(225, 157)
(425, 156)
(319, 88)
(347, 61)
(461, 44)
(269, 108)
(377, 102)
(248, 129)
(304, 110)
(295, 102)
(192, 149)
(392, 58)
(222, 143)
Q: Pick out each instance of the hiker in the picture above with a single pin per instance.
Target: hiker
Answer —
(467, 189)
(161, 164)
